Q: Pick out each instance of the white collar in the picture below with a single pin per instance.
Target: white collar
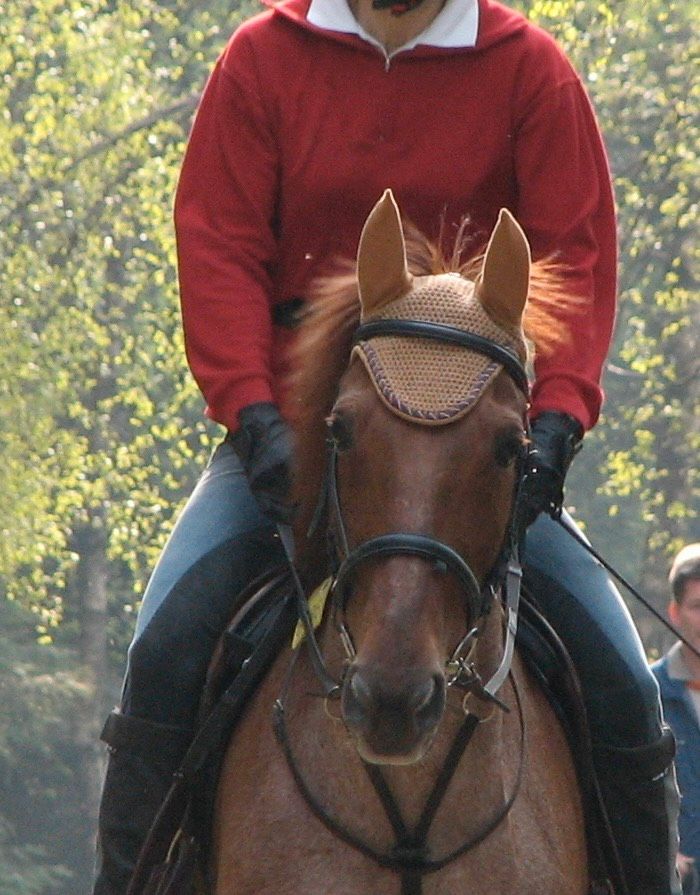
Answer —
(456, 25)
(677, 668)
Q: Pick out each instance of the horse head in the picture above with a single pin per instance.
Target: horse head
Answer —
(427, 435)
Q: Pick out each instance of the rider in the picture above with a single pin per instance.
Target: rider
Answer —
(312, 110)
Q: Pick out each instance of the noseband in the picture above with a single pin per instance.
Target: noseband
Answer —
(478, 598)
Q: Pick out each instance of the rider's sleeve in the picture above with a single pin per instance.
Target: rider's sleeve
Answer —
(224, 222)
(566, 206)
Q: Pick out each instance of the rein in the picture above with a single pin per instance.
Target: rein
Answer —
(409, 857)
(577, 536)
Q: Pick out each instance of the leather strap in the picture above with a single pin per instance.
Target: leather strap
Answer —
(143, 737)
(404, 544)
(450, 334)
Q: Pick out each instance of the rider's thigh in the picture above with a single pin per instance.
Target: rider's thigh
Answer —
(220, 543)
(587, 611)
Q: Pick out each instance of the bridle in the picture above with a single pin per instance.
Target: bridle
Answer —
(344, 560)
(409, 857)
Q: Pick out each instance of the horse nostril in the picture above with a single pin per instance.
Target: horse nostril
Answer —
(360, 689)
(370, 705)
(429, 699)
(356, 700)
(423, 695)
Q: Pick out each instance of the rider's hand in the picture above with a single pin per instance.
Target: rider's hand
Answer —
(556, 438)
(264, 446)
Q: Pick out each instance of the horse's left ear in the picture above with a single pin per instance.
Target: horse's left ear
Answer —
(503, 284)
(382, 271)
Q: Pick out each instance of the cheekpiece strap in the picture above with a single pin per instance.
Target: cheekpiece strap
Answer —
(513, 581)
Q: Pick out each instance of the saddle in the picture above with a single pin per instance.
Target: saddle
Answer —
(174, 858)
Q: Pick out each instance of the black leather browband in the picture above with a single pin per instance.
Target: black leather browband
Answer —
(450, 334)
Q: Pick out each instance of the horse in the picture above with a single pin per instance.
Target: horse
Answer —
(403, 746)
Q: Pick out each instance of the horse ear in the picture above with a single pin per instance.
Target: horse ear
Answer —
(504, 282)
(382, 271)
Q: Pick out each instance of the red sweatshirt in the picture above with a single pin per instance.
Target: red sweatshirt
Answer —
(300, 130)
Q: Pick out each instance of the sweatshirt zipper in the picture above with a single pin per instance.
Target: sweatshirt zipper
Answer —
(388, 57)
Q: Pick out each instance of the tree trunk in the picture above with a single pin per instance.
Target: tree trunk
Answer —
(91, 587)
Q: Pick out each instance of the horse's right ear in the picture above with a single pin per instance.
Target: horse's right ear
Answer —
(382, 271)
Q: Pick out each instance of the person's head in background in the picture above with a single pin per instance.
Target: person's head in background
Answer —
(684, 606)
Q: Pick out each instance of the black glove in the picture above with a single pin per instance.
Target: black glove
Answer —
(264, 445)
(556, 439)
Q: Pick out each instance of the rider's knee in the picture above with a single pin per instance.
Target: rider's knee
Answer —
(629, 714)
(166, 666)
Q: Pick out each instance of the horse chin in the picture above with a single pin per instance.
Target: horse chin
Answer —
(403, 757)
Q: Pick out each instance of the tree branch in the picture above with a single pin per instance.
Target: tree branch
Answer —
(186, 104)
(182, 105)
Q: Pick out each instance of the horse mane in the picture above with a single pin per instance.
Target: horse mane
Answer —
(321, 351)
(548, 294)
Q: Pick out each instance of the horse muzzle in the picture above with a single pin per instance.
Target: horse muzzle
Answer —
(392, 721)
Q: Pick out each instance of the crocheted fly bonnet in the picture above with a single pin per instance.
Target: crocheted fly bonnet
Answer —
(430, 381)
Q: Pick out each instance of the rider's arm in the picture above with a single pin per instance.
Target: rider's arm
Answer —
(224, 212)
(566, 207)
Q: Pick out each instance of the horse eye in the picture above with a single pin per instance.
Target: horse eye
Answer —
(340, 431)
(509, 445)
